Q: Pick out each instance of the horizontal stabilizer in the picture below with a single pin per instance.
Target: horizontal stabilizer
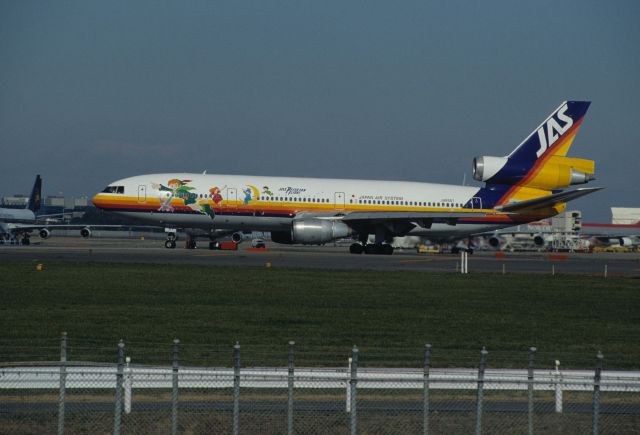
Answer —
(549, 200)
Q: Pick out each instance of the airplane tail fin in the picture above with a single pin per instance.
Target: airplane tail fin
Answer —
(538, 166)
(36, 195)
(554, 136)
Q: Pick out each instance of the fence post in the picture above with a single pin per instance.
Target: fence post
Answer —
(348, 403)
(425, 394)
(483, 361)
(558, 394)
(290, 389)
(117, 419)
(353, 382)
(532, 357)
(63, 382)
(596, 392)
(174, 386)
(236, 388)
(127, 385)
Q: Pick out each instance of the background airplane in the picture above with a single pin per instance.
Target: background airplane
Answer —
(540, 235)
(526, 185)
(16, 224)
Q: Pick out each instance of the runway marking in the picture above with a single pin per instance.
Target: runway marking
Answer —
(416, 261)
(208, 255)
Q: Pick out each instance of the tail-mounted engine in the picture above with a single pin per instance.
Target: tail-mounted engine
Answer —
(557, 172)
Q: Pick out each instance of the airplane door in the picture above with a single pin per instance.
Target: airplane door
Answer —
(142, 193)
(232, 196)
(476, 202)
(338, 197)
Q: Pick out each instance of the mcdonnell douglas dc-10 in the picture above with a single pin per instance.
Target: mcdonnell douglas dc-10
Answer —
(524, 186)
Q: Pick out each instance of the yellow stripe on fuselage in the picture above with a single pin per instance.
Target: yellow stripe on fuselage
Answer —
(122, 201)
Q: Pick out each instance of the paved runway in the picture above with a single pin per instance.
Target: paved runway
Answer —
(129, 250)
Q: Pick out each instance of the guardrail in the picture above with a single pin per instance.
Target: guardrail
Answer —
(314, 400)
(100, 377)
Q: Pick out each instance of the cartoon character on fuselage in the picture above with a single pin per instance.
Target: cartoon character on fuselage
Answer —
(216, 196)
(247, 195)
(178, 189)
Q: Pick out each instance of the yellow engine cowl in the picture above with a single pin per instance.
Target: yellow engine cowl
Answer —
(560, 172)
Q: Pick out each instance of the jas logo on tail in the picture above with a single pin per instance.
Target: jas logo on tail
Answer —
(552, 130)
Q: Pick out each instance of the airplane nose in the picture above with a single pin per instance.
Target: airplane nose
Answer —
(98, 200)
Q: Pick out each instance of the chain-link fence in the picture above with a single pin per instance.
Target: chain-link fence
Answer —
(121, 398)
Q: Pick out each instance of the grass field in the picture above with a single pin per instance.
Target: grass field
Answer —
(389, 315)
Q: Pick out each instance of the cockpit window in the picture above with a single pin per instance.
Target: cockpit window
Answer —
(113, 189)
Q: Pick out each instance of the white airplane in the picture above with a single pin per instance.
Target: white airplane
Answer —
(524, 186)
(16, 225)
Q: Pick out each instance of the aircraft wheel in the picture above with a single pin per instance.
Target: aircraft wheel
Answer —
(356, 248)
(26, 241)
(370, 249)
(387, 249)
(169, 244)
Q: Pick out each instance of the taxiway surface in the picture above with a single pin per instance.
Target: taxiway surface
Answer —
(129, 250)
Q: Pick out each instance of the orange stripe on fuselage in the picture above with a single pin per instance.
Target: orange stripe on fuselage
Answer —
(152, 204)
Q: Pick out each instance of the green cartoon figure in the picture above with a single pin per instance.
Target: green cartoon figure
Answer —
(266, 191)
(176, 189)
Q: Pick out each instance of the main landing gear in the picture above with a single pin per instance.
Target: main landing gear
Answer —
(374, 249)
(190, 243)
(171, 241)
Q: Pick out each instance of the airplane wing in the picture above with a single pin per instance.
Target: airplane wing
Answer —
(547, 201)
(383, 216)
(402, 222)
(11, 228)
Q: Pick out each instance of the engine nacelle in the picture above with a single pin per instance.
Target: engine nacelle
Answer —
(486, 167)
(237, 237)
(626, 241)
(318, 231)
(44, 233)
(557, 172)
(85, 232)
(494, 241)
(312, 232)
(538, 240)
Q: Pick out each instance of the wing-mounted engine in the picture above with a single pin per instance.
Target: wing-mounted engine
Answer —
(556, 172)
(312, 232)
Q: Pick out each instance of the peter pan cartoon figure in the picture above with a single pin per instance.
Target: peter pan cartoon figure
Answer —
(178, 189)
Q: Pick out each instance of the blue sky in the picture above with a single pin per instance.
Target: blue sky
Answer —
(93, 91)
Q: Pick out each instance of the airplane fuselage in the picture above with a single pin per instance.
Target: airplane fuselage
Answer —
(238, 202)
(19, 215)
